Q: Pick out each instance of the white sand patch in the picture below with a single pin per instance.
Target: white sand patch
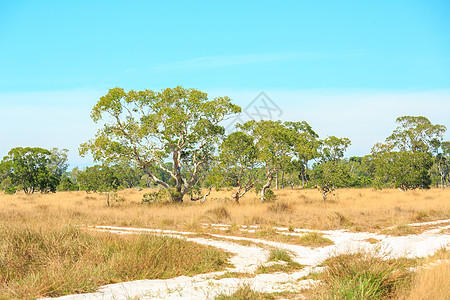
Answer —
(248, 258)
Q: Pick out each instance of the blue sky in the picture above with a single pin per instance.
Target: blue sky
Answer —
(349, 68)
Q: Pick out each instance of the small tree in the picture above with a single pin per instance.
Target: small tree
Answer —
(238, 164)
(274, 142)
(150, 128)
(306, 147)
(331, 172)
(98, 179)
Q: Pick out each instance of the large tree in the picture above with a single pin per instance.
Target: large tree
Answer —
(151, 128)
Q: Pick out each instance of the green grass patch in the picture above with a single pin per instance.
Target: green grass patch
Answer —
(314, 239)
(363, 276)
(286, 263)
(54, 262)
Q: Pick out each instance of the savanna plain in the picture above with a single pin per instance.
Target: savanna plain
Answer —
(69, 243)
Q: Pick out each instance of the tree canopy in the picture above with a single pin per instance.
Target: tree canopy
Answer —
(35, 168)
(151, 128)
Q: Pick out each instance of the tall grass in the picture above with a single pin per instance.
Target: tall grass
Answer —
(363, 276)
(66, 260)
(432, 281)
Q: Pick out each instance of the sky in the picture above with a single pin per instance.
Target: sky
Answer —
(348, 68)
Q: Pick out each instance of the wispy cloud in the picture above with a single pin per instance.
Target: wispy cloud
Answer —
(225, 61)
(246, 59)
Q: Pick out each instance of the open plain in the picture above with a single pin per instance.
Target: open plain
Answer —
(409, 229)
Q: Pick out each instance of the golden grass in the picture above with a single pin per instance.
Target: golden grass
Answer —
(37, 262)
(432, 281)
(355, 209)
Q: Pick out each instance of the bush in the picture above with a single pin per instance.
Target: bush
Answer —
(159, 196)
(269, 196)
(10, 190)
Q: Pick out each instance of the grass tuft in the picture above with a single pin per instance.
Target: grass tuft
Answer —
(314, 239)
(363, 276)
(286, 263)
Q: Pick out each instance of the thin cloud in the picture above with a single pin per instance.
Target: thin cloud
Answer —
(246, 59)
(225, 61)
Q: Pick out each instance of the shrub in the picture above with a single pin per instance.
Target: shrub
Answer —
(159, 196)
(10, 190)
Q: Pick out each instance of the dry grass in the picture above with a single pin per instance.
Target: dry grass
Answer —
(354, 209)
(67, 260)
(432, 281)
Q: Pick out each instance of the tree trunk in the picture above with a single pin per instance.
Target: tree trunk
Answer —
(303, 179)
(266, 186)
(276, 177)
(282, 180)
(236, 198)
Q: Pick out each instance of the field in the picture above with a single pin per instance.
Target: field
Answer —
(218, 223)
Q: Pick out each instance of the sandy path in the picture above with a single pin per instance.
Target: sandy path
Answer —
(248, 258)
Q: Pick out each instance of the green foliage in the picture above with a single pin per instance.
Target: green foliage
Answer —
(158, 196)
(415, 134)
(10, 190)
(306, 148)
(98, 179)
(35, 168)
(330, 175)
(404, 170)
(333, 148)
(128, 175)
(149, 128)
(238, 164)
(330, 172)
(269, 196)
(66, 184)
(274, 141)
(405, 161)
(277, 254)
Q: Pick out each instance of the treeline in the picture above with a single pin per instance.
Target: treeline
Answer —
(41, 170)
(174, 139)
